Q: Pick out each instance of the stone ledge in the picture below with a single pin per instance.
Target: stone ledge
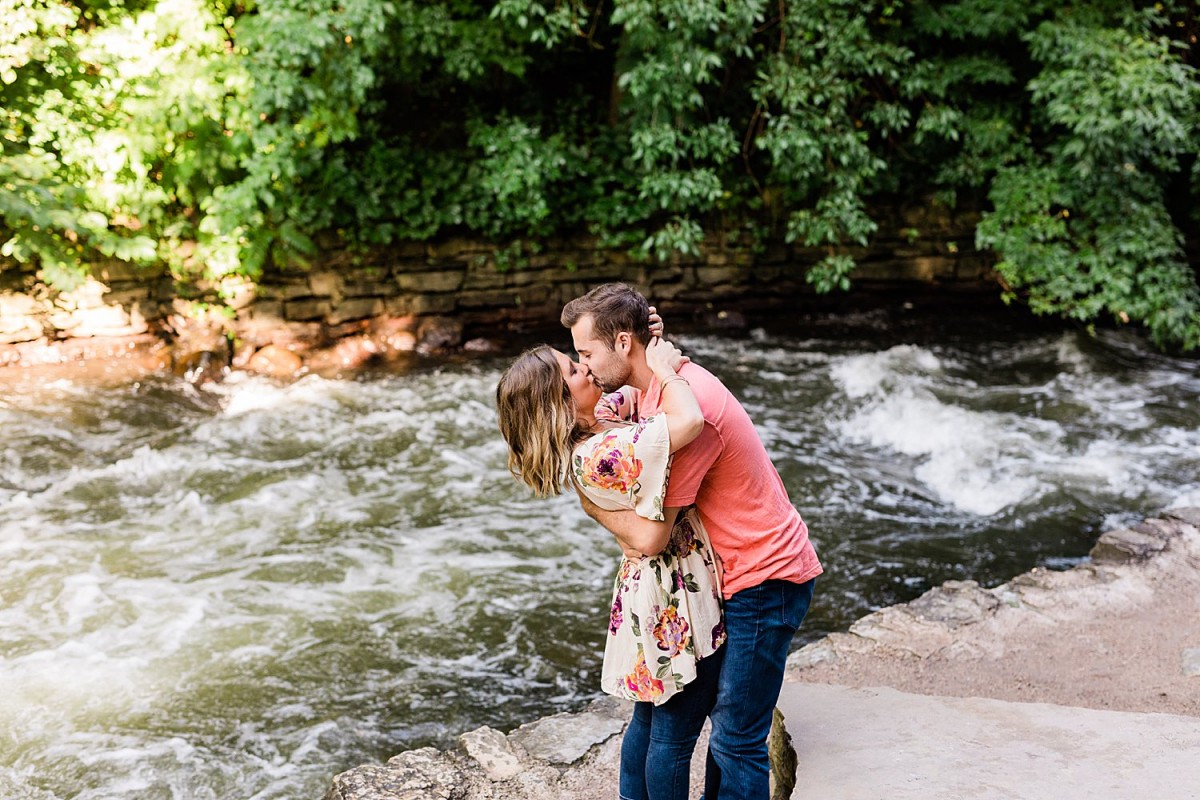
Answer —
(574, 756)
(960, 619)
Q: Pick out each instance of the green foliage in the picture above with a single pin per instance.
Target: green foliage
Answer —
(72, 178)
(1082, 224)
(222, 137)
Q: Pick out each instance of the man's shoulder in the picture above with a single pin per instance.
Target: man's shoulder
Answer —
(701, 380)
(711, 394)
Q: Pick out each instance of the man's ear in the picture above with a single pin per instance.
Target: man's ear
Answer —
(624, 342)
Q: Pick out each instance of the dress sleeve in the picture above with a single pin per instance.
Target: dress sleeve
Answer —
(619, 406)
(626, 467)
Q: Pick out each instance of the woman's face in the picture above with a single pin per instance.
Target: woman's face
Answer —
(583, 390)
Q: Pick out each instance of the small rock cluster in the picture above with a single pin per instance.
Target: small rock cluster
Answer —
(559, 756)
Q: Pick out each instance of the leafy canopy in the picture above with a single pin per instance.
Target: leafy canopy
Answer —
(222, 137)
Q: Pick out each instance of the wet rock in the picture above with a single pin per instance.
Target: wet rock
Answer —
(491, 749)
(439, 333)
(201, 367)
(275, 362)
(481, 345)
(349, 353)
(1189, 515)
(566, 738)
(1162, 528)
(724, 320)
(425, 774)
(1125, 545)
(200, 352)
(394, 335)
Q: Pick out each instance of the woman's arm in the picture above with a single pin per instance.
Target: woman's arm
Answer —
(685, 420)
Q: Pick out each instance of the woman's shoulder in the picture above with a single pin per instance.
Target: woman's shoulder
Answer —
(619, 406)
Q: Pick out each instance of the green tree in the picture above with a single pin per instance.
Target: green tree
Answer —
(223, 137)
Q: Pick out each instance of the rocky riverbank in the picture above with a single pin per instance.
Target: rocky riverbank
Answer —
(1120, 631)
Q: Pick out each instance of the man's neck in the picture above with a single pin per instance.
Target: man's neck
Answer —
(640, 376)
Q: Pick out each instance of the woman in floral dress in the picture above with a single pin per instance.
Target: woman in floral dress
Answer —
(665, 617)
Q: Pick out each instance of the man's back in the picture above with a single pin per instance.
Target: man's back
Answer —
(742, 501)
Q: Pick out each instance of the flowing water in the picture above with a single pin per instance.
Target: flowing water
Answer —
(237, 591)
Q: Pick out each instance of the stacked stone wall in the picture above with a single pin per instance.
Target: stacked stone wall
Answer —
(347, 306)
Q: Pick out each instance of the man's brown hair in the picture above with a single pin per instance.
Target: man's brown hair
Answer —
(614, 307)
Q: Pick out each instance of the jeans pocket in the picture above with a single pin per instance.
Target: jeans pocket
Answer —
(794, 600)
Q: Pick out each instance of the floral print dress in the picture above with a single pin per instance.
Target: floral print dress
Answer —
(666, 609)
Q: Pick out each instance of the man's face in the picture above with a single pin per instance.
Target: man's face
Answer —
(609, 365)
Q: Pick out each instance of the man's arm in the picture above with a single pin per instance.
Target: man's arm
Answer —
(637, 535)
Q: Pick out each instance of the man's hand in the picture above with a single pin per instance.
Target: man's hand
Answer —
(594, 511)
(637, 536)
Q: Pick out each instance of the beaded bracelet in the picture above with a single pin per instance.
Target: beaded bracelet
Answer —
(671, 380)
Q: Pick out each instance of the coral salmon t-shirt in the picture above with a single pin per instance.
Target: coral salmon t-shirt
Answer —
(741, 499)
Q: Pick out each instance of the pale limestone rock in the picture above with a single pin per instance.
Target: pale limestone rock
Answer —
(425, 774)
(325, 284)
(898, 628)
(955, 603)
(13, 304)
(818, 652)
(89, 294)
(566, 738)
(492, 750)
(354, 308)
(1191, 662)
(16, 328)
(101, 321)
(436, 282)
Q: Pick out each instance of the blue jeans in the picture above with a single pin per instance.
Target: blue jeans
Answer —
(760, 622)
(656, 753)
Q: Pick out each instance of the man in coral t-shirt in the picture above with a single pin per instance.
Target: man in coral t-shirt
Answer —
(769, 564)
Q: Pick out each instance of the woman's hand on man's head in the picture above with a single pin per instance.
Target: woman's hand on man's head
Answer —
(664, 358)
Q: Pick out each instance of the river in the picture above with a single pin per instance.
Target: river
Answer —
(237, 591)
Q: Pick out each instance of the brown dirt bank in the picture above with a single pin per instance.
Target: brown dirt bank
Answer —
(1115, 633)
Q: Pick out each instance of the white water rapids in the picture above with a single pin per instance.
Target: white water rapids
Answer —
(238, 591)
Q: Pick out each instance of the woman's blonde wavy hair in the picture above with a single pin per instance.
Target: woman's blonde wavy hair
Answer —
(537, 420)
